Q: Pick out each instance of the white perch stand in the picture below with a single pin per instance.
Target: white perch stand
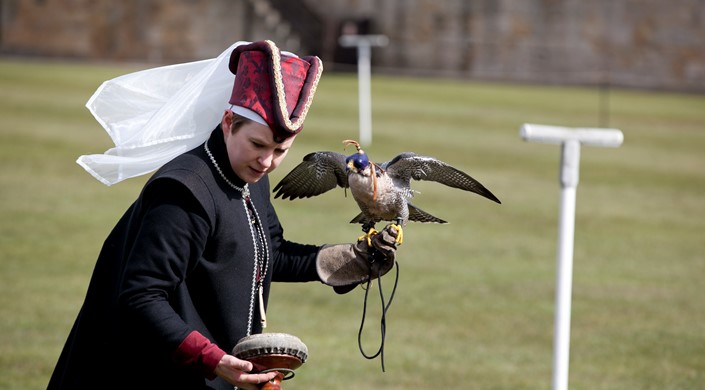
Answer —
(570, 140)
(364, 44)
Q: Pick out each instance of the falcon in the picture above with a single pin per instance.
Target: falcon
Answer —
(382, 191)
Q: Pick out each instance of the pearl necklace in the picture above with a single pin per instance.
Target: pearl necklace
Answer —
(244, 189)
(258, 239)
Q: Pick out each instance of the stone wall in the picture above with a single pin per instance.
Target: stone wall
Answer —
(155, 30)
(640, 43)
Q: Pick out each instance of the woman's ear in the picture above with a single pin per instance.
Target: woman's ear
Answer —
(227, 121)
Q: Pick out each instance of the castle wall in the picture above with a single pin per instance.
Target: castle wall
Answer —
(641, 43)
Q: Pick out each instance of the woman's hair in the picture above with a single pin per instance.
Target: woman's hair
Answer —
(238, 122)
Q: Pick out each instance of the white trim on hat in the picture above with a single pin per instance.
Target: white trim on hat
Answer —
(249, 114)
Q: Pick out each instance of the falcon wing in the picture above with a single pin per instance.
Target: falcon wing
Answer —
(407, 166)
(317, 173)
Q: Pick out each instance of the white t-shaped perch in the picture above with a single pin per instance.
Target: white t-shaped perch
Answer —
(570, 140)
(364, 44)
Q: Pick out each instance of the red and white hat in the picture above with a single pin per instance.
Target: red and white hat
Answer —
(273, 88)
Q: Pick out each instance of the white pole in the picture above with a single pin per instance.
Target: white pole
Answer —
(570, 161)
(365, 91)
(570, 140)
(364, 45)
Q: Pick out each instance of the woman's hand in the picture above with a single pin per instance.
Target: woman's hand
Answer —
(236, 372)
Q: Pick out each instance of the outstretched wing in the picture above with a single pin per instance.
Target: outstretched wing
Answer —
(407, 166)
(317, 173)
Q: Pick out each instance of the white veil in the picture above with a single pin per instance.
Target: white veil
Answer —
(156, 114)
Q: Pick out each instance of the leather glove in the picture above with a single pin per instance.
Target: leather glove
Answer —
(344, 266)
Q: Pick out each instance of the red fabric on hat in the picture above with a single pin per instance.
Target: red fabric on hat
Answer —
(253, 84)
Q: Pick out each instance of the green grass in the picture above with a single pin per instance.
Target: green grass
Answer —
(474, 307)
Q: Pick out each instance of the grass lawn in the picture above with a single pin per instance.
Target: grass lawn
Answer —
(474, 307)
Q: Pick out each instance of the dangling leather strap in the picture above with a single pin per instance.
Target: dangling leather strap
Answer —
(383, 320)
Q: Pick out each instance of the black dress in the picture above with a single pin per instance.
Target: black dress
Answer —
(181, 259)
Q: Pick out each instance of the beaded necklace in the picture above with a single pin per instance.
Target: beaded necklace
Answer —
(259, 243)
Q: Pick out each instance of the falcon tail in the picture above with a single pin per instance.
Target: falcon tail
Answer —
(418, 215)
(415, 215)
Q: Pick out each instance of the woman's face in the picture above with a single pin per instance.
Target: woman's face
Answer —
(253, 152)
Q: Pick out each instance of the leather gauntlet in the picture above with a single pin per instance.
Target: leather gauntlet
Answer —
(344, 266)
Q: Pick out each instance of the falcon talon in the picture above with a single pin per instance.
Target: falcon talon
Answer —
(369, 233)
(400, 232)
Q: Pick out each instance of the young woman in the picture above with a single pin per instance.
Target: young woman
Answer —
(185, 273)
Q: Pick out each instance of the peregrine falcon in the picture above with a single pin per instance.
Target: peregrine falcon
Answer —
(382, 191)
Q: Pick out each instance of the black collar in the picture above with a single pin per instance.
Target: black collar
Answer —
(216, 144)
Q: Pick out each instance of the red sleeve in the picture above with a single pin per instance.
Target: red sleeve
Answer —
(200, 353)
